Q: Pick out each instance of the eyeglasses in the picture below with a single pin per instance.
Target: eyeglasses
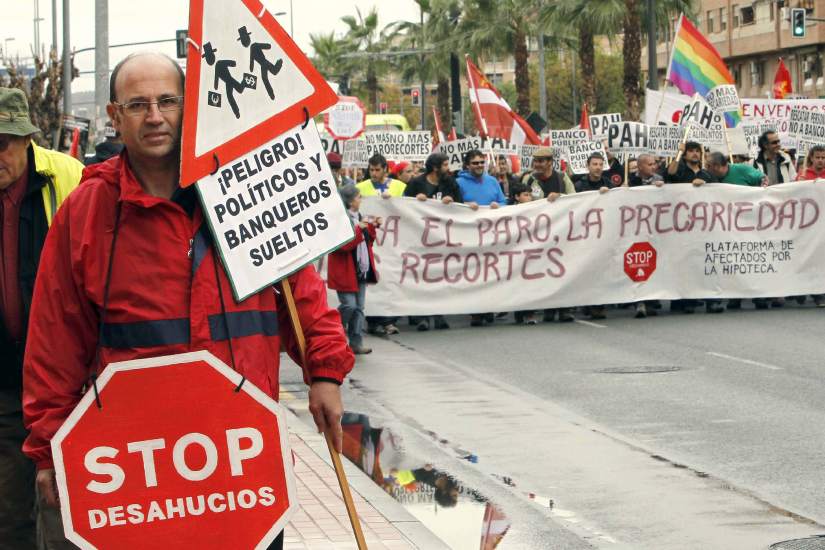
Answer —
(774, 142)
(477, 163)
(139, 108)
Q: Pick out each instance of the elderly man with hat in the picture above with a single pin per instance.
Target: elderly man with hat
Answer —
(33, 183)
(544, 181)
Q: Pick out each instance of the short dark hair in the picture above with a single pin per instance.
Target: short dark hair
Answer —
(594, 156)
(815, 149)
(763, 139)
(116, 71)
(470, 155)
(378, 160)
(693, 145)
(517, 189)
(434, 162)
(717, 158)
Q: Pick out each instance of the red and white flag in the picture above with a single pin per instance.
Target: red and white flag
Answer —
(439, 131)
(494, 117)
(782, 84)
(584, 122)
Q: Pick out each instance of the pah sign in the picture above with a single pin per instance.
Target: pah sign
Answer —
(155, 468)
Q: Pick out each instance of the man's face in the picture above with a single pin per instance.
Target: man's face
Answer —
(476, 166)
(378, 173)
(633, 166)
(444, 168)
(692, 155)
(543, 165)
(773, 142)
(646, 166)
(406, 174)
(502, 166)
(13, 158)
(818, 160)
(595, 167)
(719, 171)
(153, 134)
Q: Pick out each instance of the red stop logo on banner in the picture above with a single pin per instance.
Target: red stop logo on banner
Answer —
(175, 458)
(640, 261)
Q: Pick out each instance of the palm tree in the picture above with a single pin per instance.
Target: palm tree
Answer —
(500, 28)
(329, 60)
(364, 38)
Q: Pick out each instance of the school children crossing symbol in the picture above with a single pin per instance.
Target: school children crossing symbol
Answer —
(246, 83)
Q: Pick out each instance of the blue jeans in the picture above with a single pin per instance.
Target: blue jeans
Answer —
(351, 308)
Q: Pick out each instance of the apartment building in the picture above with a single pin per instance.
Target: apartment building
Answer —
(752, 36)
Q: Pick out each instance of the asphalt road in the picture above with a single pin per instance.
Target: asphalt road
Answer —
(739, 413)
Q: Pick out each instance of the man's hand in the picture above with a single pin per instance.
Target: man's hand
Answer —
(552, 197)
(603, 190)
(658, 183)
(493, 205)
(447, 199)
(698, 182)
(326, 408)
(473, 205)
(385, 195)
(421, 197)
(47, 485)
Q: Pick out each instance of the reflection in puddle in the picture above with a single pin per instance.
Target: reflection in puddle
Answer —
(458, 515)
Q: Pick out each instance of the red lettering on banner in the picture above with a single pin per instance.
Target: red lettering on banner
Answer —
(529, 255)
(662, 210)
(718, 210)
(743, 208)
(509, 254)
(761, 223)
(429, 224)
(447, 278)
(542, 222)
(390, 227)
(407, 259)
(644, 212)
(626, 215)
(483, 226)
(475, 277)
(699, 212)
(502, 230)
(429, 259)
(523, 223)
(552, 256)
(812, 203)
(688, 223)
(787, 212)
(491, 263)
(450, 242)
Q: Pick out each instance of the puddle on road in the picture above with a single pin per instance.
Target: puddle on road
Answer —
(457, 514)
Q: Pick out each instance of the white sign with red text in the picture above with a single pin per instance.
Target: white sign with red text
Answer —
(716, 241)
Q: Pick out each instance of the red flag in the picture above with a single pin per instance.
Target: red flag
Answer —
(75, 143)
(439, 132)
(452, 135)
(494, 117)
(782, 81)
(584, 122)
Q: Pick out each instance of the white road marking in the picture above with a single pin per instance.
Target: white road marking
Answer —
(745, 361)
(590, 324)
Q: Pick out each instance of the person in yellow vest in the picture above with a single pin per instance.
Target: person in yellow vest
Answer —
(379, 182)
(33, 183)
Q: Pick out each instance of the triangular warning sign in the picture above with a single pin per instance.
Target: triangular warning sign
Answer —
(246, 82)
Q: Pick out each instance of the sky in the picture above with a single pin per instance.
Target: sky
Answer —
(143, 20)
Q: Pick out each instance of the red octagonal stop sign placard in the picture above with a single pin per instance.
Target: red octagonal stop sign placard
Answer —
(640, 261)
(175, 458)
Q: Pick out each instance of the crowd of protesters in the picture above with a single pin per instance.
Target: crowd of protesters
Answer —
(488, 180)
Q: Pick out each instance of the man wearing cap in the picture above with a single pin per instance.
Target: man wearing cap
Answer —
(129, 271)
(544, 181)
(33, 183)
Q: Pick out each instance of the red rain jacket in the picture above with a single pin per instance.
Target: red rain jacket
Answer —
(163, 299)
(341, 270)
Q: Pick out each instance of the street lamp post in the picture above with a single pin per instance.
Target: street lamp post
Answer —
(67, 62)
(652, 67)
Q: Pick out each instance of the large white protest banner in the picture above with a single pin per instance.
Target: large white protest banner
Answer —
(717, 241)
(599, 124)
(274, 210)
(630, 138)
(578, 152)
(410, 146)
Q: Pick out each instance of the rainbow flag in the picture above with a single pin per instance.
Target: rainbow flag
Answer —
(696, 66)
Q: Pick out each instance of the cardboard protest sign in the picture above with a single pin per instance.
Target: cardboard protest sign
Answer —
(498, 146)
(355, 154)
(698, 113)
(664, 140)
(246, 82)
(628, 137)
(331, 145)
(526, 152)
(410, 146)
(456, 149)
(600, 123)
(274, 210)
(807, 128)
(563, 138)
(577, 154)
(346, 119)
(156, 468)
(723, 98)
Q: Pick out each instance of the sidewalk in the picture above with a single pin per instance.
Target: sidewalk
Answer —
(322, 523)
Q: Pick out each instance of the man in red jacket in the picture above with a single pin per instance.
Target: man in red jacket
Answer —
(129, 271)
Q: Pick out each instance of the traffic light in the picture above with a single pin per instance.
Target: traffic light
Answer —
(180, 42)
(798, 22)
(415, 94)
(382, 108)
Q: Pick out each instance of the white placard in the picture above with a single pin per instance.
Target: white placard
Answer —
(410, 146)
(664, 140)
(355, 154)
(627, 137)
(274, 210)
(599, 123)
(723, 98)
(578, 153)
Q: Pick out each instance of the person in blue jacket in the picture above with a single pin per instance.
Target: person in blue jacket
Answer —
(478, 188)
